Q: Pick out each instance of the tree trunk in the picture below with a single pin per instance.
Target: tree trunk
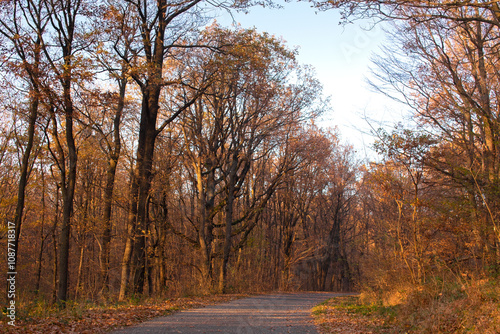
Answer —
(205, 216)
(31, 71)
(42, 237)
(229, 222)
(12, 266)
(127, 253)
(79, 276)
(54, 244)
(68, 191)
(114, 155)
(145, 151)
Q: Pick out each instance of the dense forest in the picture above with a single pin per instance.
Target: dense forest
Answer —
(145, 150)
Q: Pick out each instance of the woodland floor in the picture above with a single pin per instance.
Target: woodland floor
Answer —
(345, 315)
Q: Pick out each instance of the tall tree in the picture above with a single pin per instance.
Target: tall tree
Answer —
(23, 24)
(63, 50)
(112, 54)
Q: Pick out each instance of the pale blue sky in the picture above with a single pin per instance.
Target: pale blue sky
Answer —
(340, 55)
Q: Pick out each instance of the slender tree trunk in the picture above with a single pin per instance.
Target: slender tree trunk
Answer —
(127, 256)
(12, 266)
(31, 72)
(106, 234)
(68, 192)
(54, 244)
(42, 237)
(114, 155)
(39, 262)
(79, 276)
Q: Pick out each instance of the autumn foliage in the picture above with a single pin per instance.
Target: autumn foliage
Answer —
(146, 153)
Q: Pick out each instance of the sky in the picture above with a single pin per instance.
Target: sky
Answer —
(341, 56)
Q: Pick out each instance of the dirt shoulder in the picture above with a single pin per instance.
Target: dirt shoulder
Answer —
(346, 315)
(85, 318)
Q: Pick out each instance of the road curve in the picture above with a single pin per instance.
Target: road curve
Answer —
(278, 313)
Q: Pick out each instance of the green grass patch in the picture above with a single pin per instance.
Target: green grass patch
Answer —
(318, 310)
(350, 313)
(353, 305)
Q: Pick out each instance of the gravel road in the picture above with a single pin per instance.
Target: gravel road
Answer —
(279, 313)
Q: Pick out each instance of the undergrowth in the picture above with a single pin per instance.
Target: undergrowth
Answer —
(464, 306)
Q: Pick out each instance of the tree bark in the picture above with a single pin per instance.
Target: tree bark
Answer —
(231, 182)
(127, 254)
(114, 155)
